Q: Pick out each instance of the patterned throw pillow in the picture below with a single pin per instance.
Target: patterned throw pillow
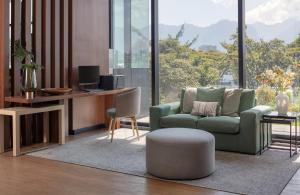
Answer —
(205, 108)
(211, 95)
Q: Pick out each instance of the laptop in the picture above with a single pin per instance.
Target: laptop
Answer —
(88, 78)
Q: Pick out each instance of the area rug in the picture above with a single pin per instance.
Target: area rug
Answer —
(238, 173)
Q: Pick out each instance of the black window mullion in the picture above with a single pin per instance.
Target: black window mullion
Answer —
(154, 52)
(241, 43)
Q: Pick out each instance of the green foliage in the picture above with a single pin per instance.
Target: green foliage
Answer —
(20, 53)
(24, 57)
(265, 95)
(277, 78)
(183, 66)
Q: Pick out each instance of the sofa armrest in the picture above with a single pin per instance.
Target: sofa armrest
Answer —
(250, 127)
(156, 112)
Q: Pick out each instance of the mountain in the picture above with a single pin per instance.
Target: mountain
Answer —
(212, 35)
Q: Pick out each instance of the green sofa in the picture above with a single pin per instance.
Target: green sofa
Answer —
(235, 134)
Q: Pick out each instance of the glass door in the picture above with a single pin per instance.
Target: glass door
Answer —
(130, 54)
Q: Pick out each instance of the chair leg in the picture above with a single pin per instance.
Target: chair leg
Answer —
(110, 125)
(113, 129)
(132, 126)
(136, 128)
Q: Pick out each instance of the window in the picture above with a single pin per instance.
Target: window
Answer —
(198, 45)
(130, 55)
(273, 44)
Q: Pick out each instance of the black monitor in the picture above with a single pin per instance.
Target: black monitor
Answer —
(88, 75)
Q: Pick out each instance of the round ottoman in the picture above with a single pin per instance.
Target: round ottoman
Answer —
(180, 153)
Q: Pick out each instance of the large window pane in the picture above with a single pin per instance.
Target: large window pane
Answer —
(131, 50)
(198, 45)
(118, 34)
(273, 43)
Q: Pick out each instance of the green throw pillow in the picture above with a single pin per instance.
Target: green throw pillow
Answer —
(211, 95)
(247, 100)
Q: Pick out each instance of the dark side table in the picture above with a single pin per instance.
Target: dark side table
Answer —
(274, 118)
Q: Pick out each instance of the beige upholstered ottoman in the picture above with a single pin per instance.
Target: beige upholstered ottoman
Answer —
(180, 153)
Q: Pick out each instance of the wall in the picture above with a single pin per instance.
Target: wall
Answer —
(4, 71)
(90, 47)
(65, 34)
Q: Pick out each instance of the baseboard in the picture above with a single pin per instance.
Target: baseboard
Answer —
(85, 129)
(140, 124)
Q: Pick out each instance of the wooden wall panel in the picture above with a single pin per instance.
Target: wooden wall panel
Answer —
(37, 52)
(26, 121)
(62, 34)
(4, 70)
(64, 78)
(46, 43)
(70, 60)
(55, 43)
(55, 61)
(15, 35)
(90, 47)
(91, 33)
(37, 36)
(26, 24)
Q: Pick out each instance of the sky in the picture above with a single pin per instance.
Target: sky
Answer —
(206, 12)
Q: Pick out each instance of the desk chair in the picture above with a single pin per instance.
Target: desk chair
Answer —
(127, 105)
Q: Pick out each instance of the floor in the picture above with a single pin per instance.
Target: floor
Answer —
(30, 175)
(294, 185)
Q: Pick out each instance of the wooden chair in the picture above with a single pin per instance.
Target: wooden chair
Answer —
(127, 105)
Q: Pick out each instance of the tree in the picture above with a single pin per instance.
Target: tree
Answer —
(181, 66)
(261, 55)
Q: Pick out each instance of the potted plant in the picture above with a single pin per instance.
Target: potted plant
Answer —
(28, 67)
(281, 81)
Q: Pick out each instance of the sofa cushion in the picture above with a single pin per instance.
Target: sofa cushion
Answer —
(182, 96)
(211, 95)
(220, 124)
(189, 97)
(179, 120)
(247, 100)
(231, 102)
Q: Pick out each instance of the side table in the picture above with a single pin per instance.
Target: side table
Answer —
(274, 118)
(17, 112)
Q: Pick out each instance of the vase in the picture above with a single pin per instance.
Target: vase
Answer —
(282, 103)
(29, 82)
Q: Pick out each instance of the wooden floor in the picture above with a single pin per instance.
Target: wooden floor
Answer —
(30, 175)
(27, 175)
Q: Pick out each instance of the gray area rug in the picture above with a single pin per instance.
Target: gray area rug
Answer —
(238, 173)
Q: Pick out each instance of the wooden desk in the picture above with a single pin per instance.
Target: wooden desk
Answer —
(63, 100)
(73, 94)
